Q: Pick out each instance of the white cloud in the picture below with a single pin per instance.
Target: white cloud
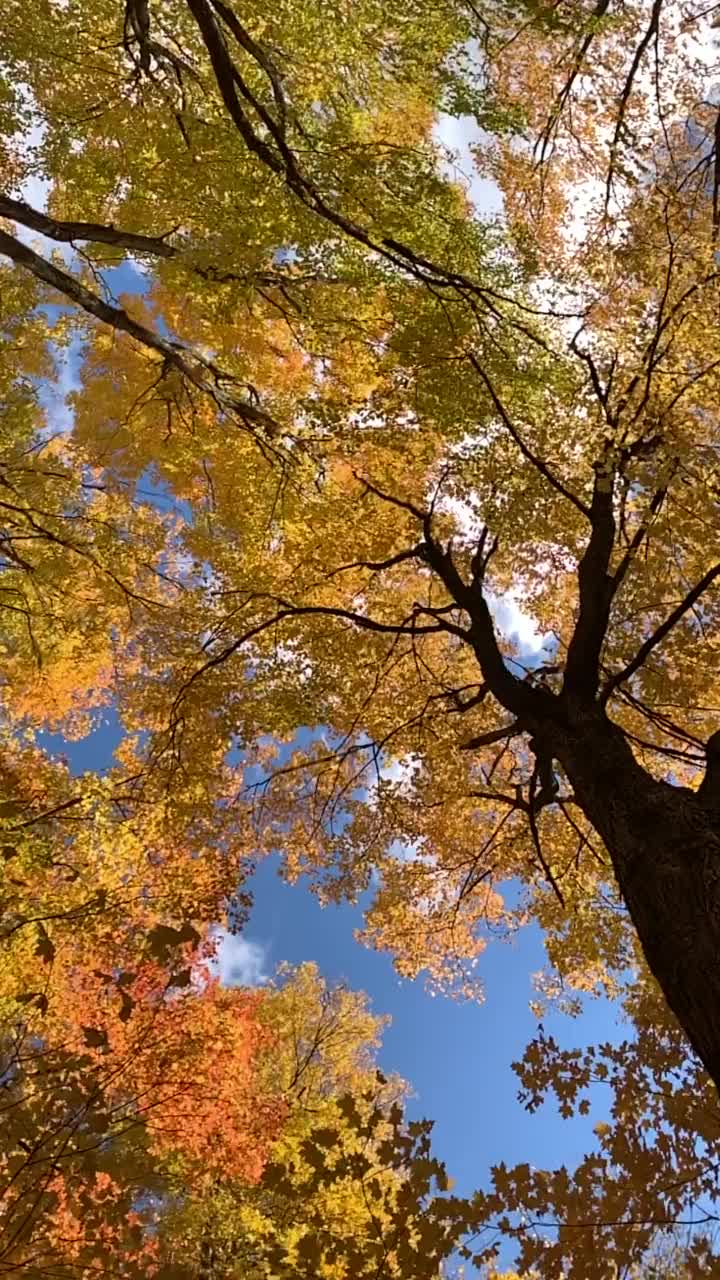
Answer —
(54, 392)
(241, 962)
(400, 771)
(141, 269)
(516, 625)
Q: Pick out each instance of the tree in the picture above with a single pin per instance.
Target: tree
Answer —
(351, 1188)
(118, 1049)
(207, 1133)
(378, 415)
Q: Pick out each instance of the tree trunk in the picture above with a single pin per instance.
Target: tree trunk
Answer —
(664, 843)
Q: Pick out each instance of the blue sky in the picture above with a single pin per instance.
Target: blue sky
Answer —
(456, 1055)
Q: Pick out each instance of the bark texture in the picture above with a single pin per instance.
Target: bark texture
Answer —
(664, 843)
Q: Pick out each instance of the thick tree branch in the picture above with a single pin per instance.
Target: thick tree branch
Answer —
(709, 789)
(269, 144)
(402, 503)
(462, 705)
(69, 232)
(544, 774)
(515, 695)
(206, 376)
(377, 566)
(498, 797)
(582, 668)
(493, 735)
(72, 232)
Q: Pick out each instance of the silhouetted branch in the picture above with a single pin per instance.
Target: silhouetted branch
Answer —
(661, 632)
(582, 667)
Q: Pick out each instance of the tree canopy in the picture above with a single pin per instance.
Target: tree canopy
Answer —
(293, 431)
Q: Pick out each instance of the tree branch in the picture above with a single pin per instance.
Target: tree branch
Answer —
(709, 789)
(651, 30)
(582, 668)
(494, 735)
(377, 566)
(515, 695)
(661, 632)
(559, 105)
(532, 821)
(638, 538)
(525, 450)
(69, 232)
(269, 144)
(289, 610)
(177, 355)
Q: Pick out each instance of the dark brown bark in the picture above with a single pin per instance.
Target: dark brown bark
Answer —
(595, 585)
(70, 232)
(664, 843)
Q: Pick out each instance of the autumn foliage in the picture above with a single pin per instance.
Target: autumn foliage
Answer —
(384, 525)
